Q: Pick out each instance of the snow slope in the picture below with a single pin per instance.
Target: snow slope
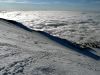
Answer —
(27, 52)
(79, 27)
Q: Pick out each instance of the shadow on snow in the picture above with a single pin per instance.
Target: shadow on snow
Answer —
(68, 44)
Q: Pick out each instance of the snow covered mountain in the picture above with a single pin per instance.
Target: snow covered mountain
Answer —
(79, 27)
(27, 52)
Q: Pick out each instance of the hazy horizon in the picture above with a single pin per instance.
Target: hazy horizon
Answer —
(77, 5)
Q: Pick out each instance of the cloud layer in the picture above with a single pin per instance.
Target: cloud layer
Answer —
(51, 1)
(58, 4)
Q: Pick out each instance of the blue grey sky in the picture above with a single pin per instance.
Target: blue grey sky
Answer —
(87, 5)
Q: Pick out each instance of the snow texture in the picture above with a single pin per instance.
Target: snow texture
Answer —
(79, 27)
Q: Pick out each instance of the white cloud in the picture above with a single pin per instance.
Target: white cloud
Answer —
(15, 1)
(7, 0)
(51, 1)
(27, 1)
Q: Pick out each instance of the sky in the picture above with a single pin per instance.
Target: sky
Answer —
(87, 5)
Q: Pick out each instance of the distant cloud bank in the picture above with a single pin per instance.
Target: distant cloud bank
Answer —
(51, 1)
(58, 4)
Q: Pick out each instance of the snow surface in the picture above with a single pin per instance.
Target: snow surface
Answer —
(25, 52)
(79, 27)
